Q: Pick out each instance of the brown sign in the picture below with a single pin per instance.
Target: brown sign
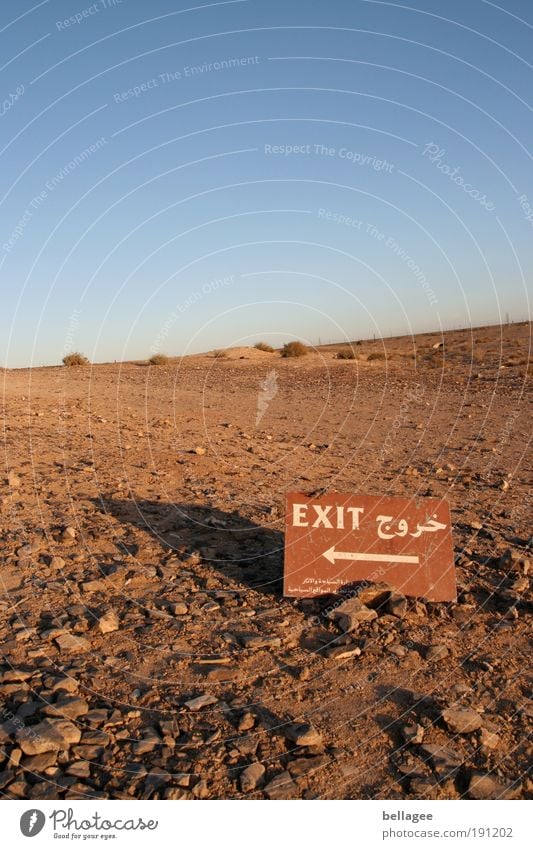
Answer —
(336, 539)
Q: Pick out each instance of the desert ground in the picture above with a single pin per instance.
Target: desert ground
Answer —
(147, 650)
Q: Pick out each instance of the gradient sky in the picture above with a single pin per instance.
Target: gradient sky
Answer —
(165, 218)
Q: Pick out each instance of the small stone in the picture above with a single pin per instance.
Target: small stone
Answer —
(38, 763)
(486, 786)
(56, 563)
(108, 622)
(246, 722)
(15, 675)
(201, 790)
(305, 766)
(79, 769)
(489, 739)
(343, 652)
(200, 702)
(258, 641)
(303, 734)
(70, 708)
(10, 580)
(350, 614)
(178, 608)
(199, 451)
(251, 777)
(412, 733)
(150, 741)
(436, 652)
(70, 685)
(49, 735)
(71, 643)
(396, 605)
(461, 720)
(281, 787)
(13, 480)
(445, 762)
(6, 776)
(397, 649)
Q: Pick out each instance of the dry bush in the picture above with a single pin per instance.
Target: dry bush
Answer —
(377, 355)
(75, 359)
(158, 360)
(346, 354)
(263, 346)
(294, 349)
(220, 354)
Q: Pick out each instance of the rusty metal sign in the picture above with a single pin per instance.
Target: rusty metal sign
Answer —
(335, 540)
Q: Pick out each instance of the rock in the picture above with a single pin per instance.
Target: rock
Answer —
(445, 762)
(71, 643)
(350, 614)
(246, 722)
(176, 793)
(14, 675)
(10, 580)
(13, 480)
(178, 608)
(461, 720)
(48, 736)
(397, 649)
(396, 605)
(486, 786)
(155, 779)
(6, 776)
(343, 652)
(281, 787)
(70, 708)
(305, 766)
(108, 622)
(199, 451)
(303, 734)
(56, 563)
(79, 769)
(412, 733)
(258, 641)
(70, 685)
(38, 763)
(489, 739)
(200, 702)
(150, 741)
(201, 789)
(424, 787)
(436, 652)
(251, 777)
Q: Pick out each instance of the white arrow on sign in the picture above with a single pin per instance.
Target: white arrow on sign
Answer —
(333, 555)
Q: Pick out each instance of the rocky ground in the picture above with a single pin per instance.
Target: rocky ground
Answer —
(147, 651)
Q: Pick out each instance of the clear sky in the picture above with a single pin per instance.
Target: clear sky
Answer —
(180, 176)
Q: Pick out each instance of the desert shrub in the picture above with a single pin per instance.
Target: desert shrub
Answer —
(158, 360)
(75, 359)
(220, 354)
(294, 349)
(377, 355)
(263, 346)
(345, 354)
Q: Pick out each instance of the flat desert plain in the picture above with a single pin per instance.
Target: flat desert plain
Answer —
(147, 650)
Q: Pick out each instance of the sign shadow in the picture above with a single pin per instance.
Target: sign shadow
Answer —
(198, 534)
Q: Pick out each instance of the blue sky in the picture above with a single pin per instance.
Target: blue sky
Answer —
(180, 176)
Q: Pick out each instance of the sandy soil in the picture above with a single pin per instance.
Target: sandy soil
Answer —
(141, 550)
